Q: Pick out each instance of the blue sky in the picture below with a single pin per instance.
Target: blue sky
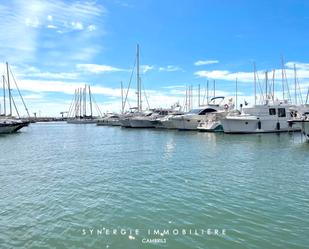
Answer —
(55, 46)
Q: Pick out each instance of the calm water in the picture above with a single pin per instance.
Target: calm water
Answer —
(59, 182)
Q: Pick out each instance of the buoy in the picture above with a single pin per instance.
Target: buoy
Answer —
(278, 126)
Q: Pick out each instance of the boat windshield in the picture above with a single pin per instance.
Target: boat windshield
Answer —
(195, 111)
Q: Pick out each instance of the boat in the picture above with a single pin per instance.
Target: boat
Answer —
(270, 117)
(137, 111)
(212, 122)
(77, 113)
(300, 119)
(8, 122)
(10, 125)
(164, 122)
(149, 119)
(111, 119)
(191, 120)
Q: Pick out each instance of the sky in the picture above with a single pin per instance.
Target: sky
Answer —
(56, 46)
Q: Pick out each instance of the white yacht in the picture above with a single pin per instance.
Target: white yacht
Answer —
(164, 122)
(270, 117)
(109, 120)
(191, 120)
(148, 118)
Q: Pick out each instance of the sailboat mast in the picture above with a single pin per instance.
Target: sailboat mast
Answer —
(254, 68)
(80, 102)
(273, 90)
(122, 107)
(282, 73)
(9, 87)
(90, 100)
(295, 85)
(214, 88)
(266, 84)
(207, 91)
(236, 92)
(4, 100)
(199, 95)
(138, 80)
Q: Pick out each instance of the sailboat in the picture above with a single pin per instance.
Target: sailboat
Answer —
(78, 109)
(134, 112)
(8, 122)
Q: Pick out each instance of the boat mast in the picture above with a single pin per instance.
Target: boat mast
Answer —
(266, 85)
(207, 91)
(214, 88)
(9, 87)
(199, 95)
(295, 85)
(90, 100)
(282, 72)
(236, 93)
(122, 106)
(254, 68)
(4, 101)
(139, 102)
(80, 102)
(273, 90)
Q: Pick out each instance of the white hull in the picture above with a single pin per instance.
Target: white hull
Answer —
(168, 124)
(210, 126)
(141, 123)
(185, 122)
(255, 125)
(125, 122)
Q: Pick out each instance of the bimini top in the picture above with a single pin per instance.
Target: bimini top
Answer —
(213, 100)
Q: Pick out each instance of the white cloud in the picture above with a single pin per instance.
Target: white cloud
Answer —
(32, 22)
(146, 68)
(77, 25)
(91, 27)
(50, 26)
(169, 68)
(96, 68)
(27, 19)
(302, 73)
(205, 62)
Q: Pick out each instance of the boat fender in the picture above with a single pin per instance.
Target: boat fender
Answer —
(259, 125)
(278, 126)
(226, 106)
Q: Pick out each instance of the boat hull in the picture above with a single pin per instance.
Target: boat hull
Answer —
(6, 128)
(184, 123)
(238, 125)
(141, 123)
(210, 127)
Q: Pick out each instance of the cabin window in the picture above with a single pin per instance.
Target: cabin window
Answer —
(206, 111)
(281, 112)
(272, 111)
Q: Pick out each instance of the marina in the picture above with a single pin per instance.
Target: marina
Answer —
(154, 124)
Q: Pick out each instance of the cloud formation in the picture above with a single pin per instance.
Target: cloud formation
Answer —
(205, 62)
